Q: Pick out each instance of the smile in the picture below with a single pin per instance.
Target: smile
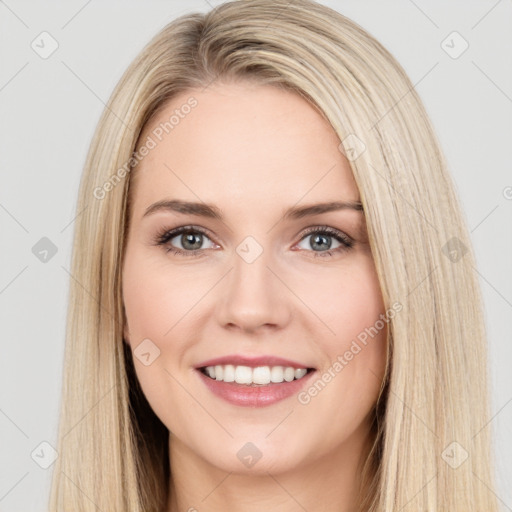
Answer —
(261, 375)
(259, 386)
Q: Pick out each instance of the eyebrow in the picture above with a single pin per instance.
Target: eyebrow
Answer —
(213, 212)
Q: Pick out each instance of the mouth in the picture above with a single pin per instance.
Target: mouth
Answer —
(254, 381)
(254, 376)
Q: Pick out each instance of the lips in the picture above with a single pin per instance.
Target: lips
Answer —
(253, 381)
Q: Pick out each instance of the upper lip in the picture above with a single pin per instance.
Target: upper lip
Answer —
(251, 361)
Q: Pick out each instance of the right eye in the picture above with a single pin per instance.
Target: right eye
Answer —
(189, 240)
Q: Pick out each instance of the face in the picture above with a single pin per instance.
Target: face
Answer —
(245, 289)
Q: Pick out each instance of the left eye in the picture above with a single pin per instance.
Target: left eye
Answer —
(321, 239)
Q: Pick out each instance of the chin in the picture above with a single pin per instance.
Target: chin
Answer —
(255, 456)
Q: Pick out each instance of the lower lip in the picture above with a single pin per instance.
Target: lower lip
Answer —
(254, 396)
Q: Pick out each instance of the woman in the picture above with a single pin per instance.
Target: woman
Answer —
(218, 358)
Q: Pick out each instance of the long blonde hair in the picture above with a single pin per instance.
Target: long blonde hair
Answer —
(432, 450)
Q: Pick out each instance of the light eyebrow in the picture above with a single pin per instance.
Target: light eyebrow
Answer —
(211, 211)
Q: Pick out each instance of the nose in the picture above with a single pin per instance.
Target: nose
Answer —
(254, 296)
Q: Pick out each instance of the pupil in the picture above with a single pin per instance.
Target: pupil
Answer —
(194, 239)
(325, 239)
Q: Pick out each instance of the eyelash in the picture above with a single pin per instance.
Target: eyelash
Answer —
(164, 236)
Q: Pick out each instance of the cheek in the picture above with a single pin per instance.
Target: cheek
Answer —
(347, 301)
(155, 300)
(350, 305)
(156, 297)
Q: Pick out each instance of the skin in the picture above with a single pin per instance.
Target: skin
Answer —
(253, 151)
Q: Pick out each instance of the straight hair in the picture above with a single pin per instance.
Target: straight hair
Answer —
(433, 407)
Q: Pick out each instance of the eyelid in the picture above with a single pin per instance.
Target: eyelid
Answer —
(183, 228)
(166, 234)
(326, 229)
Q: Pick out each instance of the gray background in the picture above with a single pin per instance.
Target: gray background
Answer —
(49, 109)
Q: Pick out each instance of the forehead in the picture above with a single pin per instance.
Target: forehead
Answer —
(242, 142)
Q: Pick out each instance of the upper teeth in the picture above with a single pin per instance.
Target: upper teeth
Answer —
(258, 375)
